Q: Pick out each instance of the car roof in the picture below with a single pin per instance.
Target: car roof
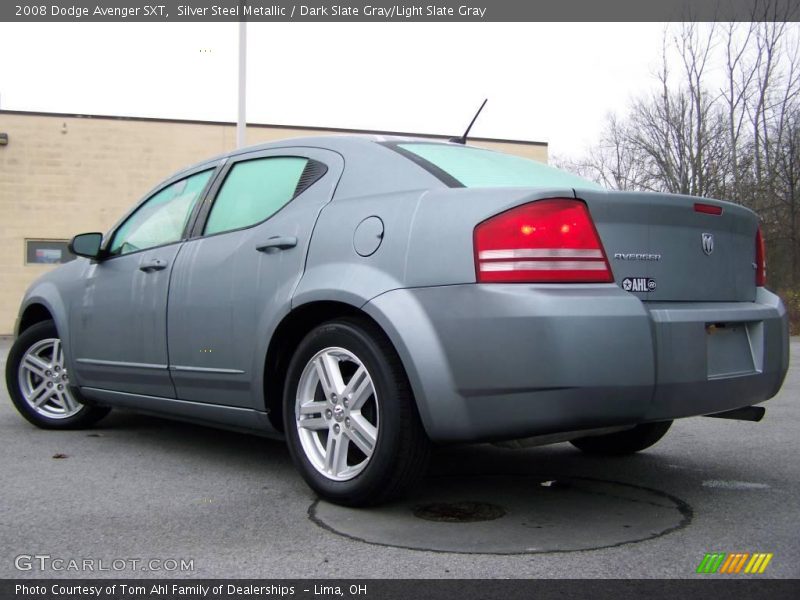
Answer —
(341, 143)
(372, 167)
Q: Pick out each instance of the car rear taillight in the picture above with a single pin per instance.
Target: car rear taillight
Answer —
(761, 260)
(547, 241)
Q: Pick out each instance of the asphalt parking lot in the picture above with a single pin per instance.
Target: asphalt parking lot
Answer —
(138, 487)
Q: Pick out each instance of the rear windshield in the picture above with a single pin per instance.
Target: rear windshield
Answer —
(474, 167)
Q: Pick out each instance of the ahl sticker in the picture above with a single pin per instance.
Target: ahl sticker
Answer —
(638, 284)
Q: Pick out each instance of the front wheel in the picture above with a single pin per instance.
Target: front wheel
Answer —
(349, 415)
(38, 382)
(623, 442)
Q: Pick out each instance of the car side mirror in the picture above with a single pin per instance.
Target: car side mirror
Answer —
(87, 244)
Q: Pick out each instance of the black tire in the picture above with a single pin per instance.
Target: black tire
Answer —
(86, 415)
(402, 449)
(623, 442)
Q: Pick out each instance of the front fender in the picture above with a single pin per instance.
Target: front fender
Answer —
(47, 295)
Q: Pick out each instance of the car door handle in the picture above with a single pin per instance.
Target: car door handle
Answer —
(278, 243)
(154, 264)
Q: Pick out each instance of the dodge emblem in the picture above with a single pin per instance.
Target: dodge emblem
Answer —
(708, 243)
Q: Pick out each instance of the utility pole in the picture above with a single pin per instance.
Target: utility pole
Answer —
(241, 122)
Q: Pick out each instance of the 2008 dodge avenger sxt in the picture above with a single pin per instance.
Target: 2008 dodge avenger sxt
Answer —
(366, 296)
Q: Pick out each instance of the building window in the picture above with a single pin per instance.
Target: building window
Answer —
(47, 252)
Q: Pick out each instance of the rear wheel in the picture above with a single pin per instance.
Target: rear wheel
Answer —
(38, 382)
(350, 418)
(623, 442)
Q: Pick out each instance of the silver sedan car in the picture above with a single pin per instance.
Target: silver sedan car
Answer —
(364, 297)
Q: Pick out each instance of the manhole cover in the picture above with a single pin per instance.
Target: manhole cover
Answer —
(459, 512)
(511, 515)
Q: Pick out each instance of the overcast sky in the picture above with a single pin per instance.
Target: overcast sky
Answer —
(551, 82)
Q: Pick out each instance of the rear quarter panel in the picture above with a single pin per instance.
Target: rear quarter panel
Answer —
(427, 240)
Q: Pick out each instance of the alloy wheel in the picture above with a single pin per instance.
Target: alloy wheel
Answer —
(44, 381)
(337, 414)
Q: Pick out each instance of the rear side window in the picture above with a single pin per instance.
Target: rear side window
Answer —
(253, 191)
(162, 218)
(474, 167)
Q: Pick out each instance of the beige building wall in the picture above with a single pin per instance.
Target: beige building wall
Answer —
(61, 175)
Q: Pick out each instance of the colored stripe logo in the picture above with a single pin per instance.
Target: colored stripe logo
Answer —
(734, 563)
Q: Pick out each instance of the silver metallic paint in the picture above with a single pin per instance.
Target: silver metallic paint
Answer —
(486, 362)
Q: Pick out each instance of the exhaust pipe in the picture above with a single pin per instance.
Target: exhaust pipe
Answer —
(748, 413)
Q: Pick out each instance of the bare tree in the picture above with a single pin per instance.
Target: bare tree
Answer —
(737, 92)
(673, 140)
(768, 39)
(614, 162)
(738, 141)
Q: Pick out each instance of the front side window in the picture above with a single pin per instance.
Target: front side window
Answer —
(475, 167)
(253, 191)
(161, 219)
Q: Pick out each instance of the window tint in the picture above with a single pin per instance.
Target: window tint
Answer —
(162, 218)
(475, 167)
(253, 191)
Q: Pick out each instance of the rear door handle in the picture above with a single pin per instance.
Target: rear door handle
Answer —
(278, 243)
(154, 264)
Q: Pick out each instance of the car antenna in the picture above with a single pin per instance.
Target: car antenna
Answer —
(463, 139)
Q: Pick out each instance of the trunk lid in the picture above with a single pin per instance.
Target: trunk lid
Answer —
(661, 249)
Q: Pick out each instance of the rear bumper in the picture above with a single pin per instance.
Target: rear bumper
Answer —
(494, 362)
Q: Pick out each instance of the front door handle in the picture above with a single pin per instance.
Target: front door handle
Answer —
(154, 264)
(278, 242)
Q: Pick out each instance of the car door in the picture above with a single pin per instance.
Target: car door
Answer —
(233, 282)
(118, 320)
